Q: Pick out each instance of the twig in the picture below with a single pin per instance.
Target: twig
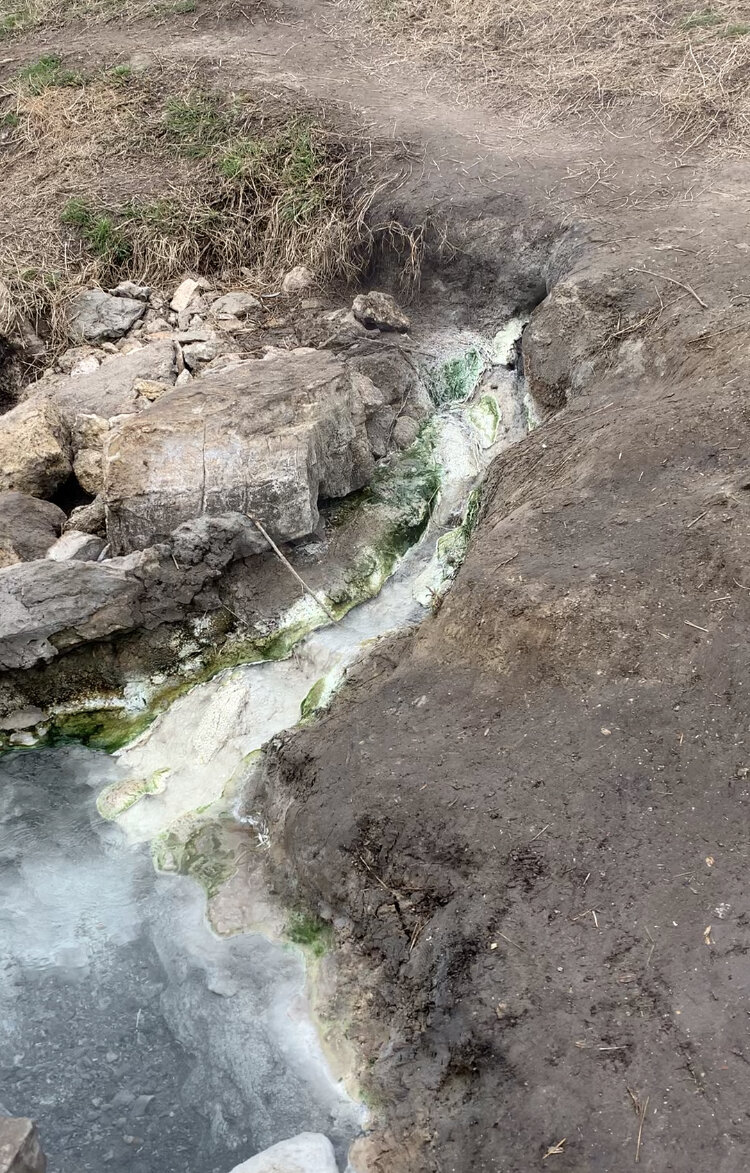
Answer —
(696, 626)
(641, 1119)
(513, 943)
(541, 832)
(290, 568)
(673, 281)
(555, 1149)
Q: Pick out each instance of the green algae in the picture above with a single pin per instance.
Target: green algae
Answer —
(486, 417)
(314, 698)
(311, 932)
(202, 854)
(457, 379)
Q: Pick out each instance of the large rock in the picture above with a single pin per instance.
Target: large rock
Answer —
(47, 606)
(20, 1150)
(96, 316)
(310, 1152)
(380, 311)
(28, 527)
(76, 545)
(267, 439)
(113, 389)
(35, 454)
(234, 305)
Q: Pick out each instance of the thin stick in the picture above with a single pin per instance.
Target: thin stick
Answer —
(641, 1118)
(290, 568)
(673, 281)
(696, 626)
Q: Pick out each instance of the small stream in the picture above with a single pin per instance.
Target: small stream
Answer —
(138, 1036)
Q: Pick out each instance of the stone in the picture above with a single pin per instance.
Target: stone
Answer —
(85, 366)
(47, 607)
(111, 390)
(20, 1150)
(157, 326)
(88, 470)
(74, 355)
(150, 389)
(266, 438)
(96, 316)
(183, 295)
(76, 545)
(310, 1152)
(198, 352)
(35, 455)
(28, 527)
(21, 719)
(130, 289)
(88, 518)
(235, 305)
(297, 280)
(380, 311)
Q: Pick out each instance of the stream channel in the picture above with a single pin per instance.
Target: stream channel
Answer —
(151, 1022)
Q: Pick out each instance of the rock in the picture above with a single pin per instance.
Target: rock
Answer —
(310, 1152)
(20, 1150)
(235, 305)
(150, 389)
(267, 437)
(48, 606)
(297, 280)
(21, 719)
(183, 378)
(405, 431)
(35, 455)
(197, 352)
(28, 527)
(88, 470)
(130, 289)
(95, 316)
(157, 326)
(76, 545)
(380, 311)
(74, 355)
(88, 519)
(112, 389)
(85, 366)
(183, 295)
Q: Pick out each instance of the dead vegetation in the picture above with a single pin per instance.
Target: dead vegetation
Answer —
(550, 57)
(139, 176)
(22, 16)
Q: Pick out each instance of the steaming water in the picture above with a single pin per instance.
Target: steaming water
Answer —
(137, 1038)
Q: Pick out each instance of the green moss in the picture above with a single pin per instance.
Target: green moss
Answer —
(203, 855)
(738, 30)
(311, 932)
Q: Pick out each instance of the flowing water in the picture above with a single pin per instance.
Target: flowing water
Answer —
(138, 1037)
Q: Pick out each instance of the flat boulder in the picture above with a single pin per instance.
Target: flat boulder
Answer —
(35, 454)
(96, 316)
(113, 388)
(310, 1152)
(267, 438)
(28, 527)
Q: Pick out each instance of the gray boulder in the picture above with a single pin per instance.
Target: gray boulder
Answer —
(28, 527)
(113, 388)
(96, 316)
(380, 311)
(310, 1152)
(88, 519)
(47, 607)
(35, 454)
(297, 280)
(266, 438)
(130, 289)
(234, 305)
(77, 546)
(20, 1150)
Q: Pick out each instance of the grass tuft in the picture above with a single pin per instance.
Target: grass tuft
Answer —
(46, 73)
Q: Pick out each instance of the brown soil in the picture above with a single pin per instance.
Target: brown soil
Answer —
(533, 811)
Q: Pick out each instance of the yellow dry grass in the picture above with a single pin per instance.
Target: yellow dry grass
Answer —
(689, 63)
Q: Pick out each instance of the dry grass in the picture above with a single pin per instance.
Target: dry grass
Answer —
(690, 63)
(117, 176)
(22, 16)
